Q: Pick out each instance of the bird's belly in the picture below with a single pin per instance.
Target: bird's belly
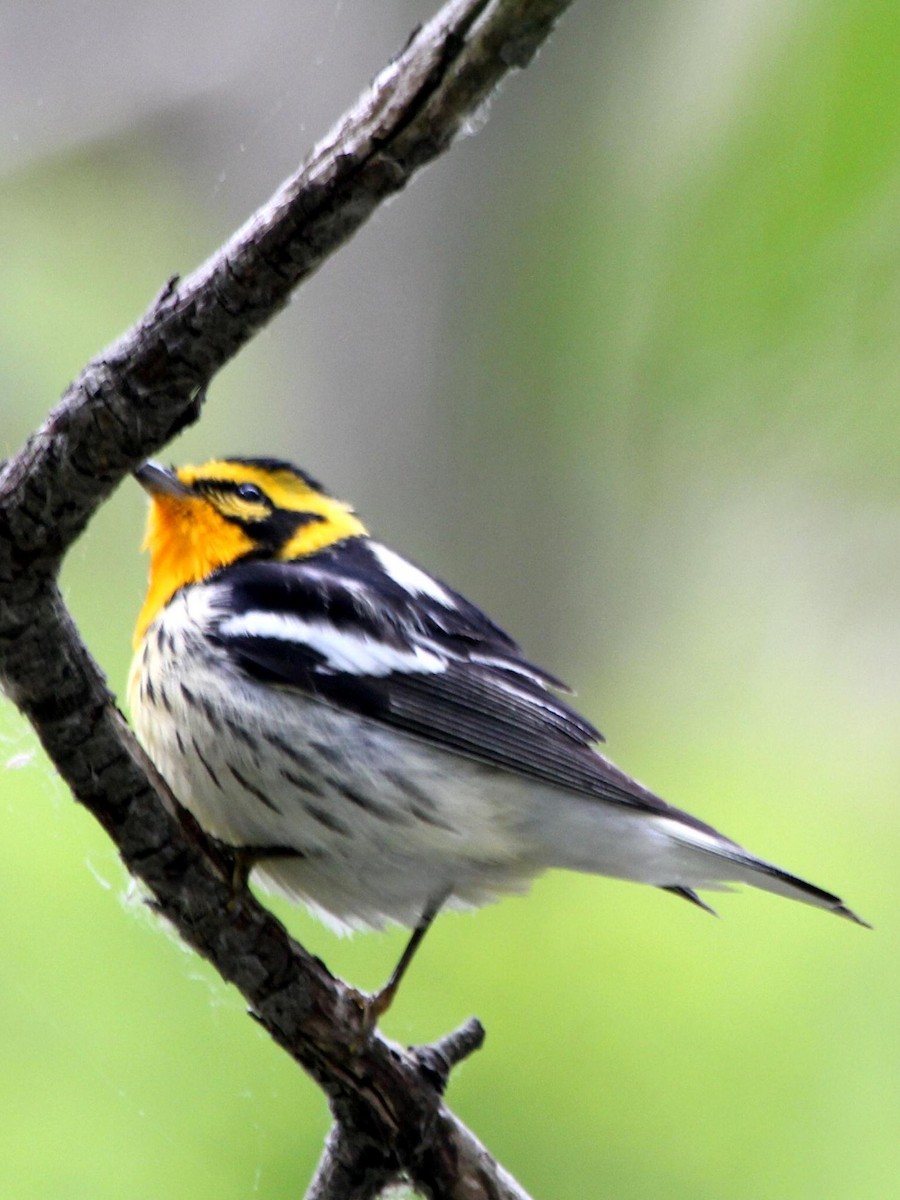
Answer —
(381, 822)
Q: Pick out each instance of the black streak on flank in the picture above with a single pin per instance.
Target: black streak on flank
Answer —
(409, 789)
(204, 705)
(240, 734)
(429, 818)
(254, 791)
(326, 819)
(326, 752)
(303, 761)
(421, 805)
(367, 804)
(209, 769)
(301, 784)
(211, 715)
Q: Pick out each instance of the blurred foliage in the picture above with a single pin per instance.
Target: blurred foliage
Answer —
(662, 446)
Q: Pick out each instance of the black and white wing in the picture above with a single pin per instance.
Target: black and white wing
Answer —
(359, 627)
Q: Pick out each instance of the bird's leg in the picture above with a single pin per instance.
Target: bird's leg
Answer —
(245, 858)
(378, 1004)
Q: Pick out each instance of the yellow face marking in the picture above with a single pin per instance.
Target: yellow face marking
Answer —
(288, 492)
(191, 536)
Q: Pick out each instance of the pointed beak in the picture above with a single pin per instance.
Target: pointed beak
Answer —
(158, 480)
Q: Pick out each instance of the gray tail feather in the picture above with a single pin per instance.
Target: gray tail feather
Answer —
(747, 868)
(773, 879)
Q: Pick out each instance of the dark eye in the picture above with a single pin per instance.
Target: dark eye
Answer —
(251, 493)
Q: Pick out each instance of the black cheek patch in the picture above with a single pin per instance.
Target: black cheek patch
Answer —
(282, 524)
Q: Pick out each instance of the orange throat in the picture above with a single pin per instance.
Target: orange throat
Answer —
(187, 540)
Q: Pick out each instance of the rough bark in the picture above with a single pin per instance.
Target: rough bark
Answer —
(390, 1119)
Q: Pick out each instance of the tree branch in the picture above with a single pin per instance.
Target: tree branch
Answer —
(390, 1119)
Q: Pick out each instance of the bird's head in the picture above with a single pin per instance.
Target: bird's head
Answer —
(206, 517)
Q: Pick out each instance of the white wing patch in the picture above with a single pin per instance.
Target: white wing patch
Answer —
(411, 578)
(347, 652)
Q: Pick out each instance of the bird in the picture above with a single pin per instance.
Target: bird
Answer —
(363, 738)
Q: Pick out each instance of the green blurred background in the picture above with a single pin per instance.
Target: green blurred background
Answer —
(624, 368)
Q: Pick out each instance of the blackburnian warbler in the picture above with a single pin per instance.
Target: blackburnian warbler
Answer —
(375, 742)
